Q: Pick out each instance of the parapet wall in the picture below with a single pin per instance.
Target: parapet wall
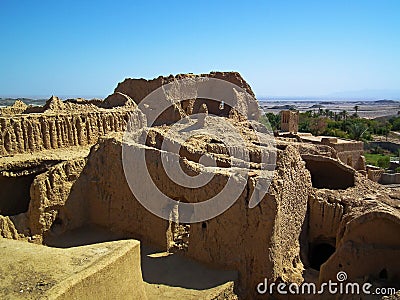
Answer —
(101, 271)
(348, 151)
(387, 178)
(36, 132)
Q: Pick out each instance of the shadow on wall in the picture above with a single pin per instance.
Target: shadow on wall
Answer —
(86, 235)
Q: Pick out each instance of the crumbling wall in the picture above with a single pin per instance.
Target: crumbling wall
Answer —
(36, 132)
(324, 219)
(265, 239)
(354, 159)
(60, 124)
(374, 173)
(110, 201)
(349, 152)
(52, 202)
(17, 108)
(138, 89)
(319, 237)
(368, 247)
(7, 228)
(290, 121)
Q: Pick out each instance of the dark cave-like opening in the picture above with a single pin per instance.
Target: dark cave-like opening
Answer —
(326, 174)
(319, 254)
(15, 194)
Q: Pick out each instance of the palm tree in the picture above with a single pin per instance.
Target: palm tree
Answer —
(356, 109)
(387, 129)
(357, 130)
(343, 114)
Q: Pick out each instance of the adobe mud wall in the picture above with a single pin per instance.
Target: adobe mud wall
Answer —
(138, 89)
(239, 92)
(277, 239)
(374, 173)
(367, 244)
(99, 271)
(36, 132)
(390, 146)
(294, 227)
(350, 153)
(265, 238)
(50, 203)
(290, 121)
(318, 213)
(389, 178)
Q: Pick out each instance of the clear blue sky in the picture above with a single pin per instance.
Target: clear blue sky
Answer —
(280, 47)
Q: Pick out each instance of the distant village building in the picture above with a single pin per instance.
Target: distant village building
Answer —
(349, 152)
(290, 121)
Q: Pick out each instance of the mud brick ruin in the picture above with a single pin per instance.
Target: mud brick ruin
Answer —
(62, 183)
(290, 121)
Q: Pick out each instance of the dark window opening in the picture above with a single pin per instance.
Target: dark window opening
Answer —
(383, 274)
(319, 254)
(204, 225)
(15, 194)
(328, 175)
(214, 107)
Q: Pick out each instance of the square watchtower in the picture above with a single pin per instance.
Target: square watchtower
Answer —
(290, 121)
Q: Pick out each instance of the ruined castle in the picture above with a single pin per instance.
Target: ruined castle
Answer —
(63, 175)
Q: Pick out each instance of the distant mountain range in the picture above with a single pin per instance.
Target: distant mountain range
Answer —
(365, 95)
(382, 96)
(28, 101)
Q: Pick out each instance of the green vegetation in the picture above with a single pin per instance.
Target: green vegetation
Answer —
(274, 120)
(326, 122)
(395, 123)
(379, 160)
(342, 125)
